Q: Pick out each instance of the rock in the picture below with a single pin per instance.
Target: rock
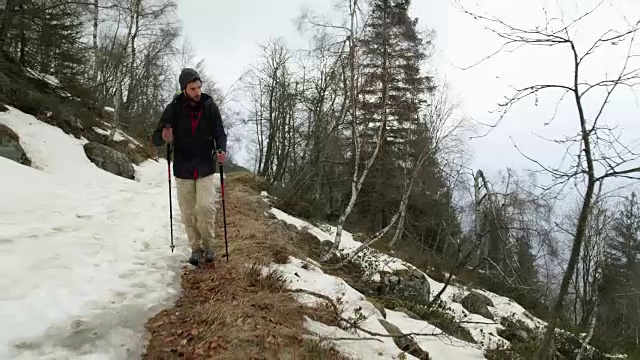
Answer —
(380, 308)
(516, 324)
(325, 245)
(3, 108)
(404, 343)
(408, 284)
(75, 122)
(292, 228)
(69, 124)
(408, 312)
(10, 147)
(477, 303)
(360, 237)
(281, 224)
(512, 335)
(109, 160)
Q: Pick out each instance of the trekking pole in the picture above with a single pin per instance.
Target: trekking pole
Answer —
(170, 202)
(224, 214)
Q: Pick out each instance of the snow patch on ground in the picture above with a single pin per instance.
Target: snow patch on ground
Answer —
(303, 275)
(347, 243)
(337, 289)
(119, 136)
(84, 254)
(51, 80)
(439, 345)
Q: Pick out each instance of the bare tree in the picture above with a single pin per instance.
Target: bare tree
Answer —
(592, 266)
(132, 31)
(441, 130)
(96, 54)
(111, 53)
(324, 104)
(356, 135)
(272, 89)
(461, 261)
(442, 134)
(600, 155)
(588, 270)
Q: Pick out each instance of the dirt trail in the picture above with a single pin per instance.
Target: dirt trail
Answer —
(234, 311)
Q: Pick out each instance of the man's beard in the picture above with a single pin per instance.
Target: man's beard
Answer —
(194, 99)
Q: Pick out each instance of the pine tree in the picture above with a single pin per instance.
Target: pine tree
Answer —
(46, 36)
(393, 92)
(624, 250)
(620, 305)
(61, 51)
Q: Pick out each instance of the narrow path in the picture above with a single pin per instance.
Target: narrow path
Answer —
(240, 310)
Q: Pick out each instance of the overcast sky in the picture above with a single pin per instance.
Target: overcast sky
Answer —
(226, 33)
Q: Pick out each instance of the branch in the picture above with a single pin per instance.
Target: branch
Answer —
(350, 322)
(620, 173)
(521, 94)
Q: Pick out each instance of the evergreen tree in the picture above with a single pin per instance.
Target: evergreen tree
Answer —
(46, 36)
(393, 91)
(624, 250)
(619, 312)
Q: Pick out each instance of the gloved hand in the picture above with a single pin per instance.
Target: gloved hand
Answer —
(221, 156)
(167, 134)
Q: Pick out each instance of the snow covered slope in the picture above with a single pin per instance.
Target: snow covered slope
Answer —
(84, 254)
(307, 276)
(304, 275)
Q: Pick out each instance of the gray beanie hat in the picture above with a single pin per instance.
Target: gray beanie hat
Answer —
(186, 76)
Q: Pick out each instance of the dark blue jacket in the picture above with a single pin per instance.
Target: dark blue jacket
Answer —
(197, 134)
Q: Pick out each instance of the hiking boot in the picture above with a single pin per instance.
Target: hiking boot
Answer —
(196, 257)
(209, 255)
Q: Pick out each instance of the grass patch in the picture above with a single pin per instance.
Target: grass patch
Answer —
(439, 315)
(299, 205)
(324, 312)
(250, 181)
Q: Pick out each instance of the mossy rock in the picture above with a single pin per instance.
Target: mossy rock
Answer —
(10, 147)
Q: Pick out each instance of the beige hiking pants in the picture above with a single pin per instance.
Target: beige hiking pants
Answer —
(196, 199)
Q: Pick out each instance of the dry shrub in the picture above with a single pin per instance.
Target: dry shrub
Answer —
(270, 280)
(280, 255)
(324, 312)
(250, 181)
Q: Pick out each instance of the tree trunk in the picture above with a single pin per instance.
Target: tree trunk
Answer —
(547, 349)
(96, 55)
(121, 73)
(7, 21)
(358, 181)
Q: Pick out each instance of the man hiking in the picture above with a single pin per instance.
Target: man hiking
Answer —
(193, 125)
